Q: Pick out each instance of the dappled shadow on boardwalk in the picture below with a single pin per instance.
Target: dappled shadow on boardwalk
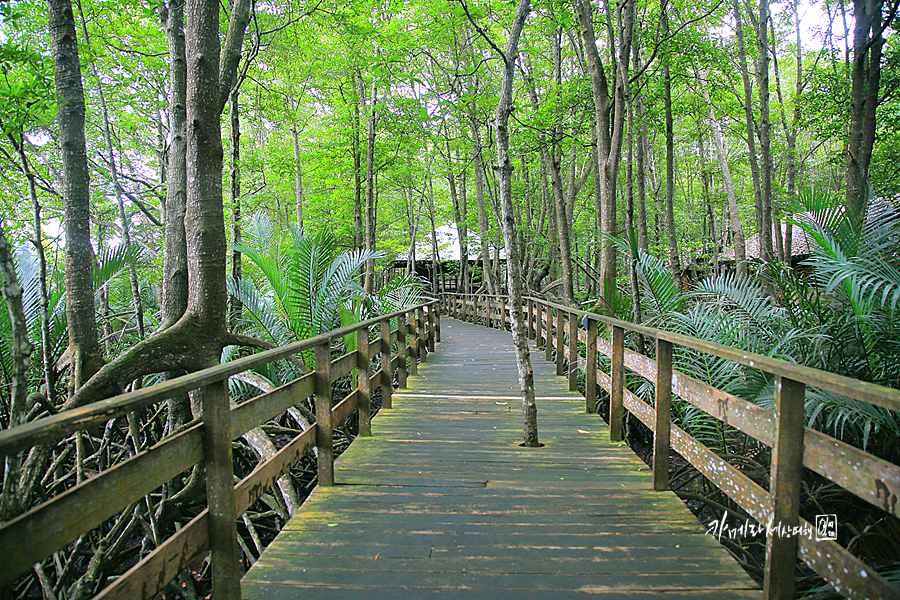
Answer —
(443, 503)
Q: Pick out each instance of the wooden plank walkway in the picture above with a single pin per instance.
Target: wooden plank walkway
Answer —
(443, 503)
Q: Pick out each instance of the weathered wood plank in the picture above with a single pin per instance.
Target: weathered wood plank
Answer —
(443, 480)
(57, 522)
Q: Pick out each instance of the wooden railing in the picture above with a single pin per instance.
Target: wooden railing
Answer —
(794, 446)
(38, 533)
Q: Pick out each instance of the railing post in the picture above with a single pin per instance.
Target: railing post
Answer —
(662, 434)
(437, 322)
(420, 339)
(413, 348)
(530, 318)
(538, 324)
(464, 301)
(487, 311)
(560, 342)
(364, 393)
(503, 313)
(573, 351)
(431, 327)
(548, 347)
(226, 570)
(401, 351)
(616, 406)
(387, 386)
(784, 485)
(590, 369)
(324, 431)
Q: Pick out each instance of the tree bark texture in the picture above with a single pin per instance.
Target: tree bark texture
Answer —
(84, 346)
(508, 225)
(175, 285)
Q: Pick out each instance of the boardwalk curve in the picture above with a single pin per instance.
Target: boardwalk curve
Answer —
(442, 502)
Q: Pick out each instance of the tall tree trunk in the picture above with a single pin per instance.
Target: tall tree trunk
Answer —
(84, 347)
(370, 189)
(674, 261)
(865, 80)
(358, 231)
(175, 290)
(641, 171)
(459, 214)
(748, 115)
(705, 177)
(38, 242)
(435, 258)
(609, 110)
(11, 292)
(483, 228)
(765, 133)
(637, 314)
(114, 172)
(234, 304)
(508, 225)
(737, 230)
(298, 175)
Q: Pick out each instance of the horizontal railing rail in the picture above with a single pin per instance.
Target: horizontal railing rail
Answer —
(794, 446)
(49, 527)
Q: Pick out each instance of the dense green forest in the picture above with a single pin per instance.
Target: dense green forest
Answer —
(187, 183)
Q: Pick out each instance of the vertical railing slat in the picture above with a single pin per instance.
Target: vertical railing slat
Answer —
(387, 387)
(590, 368)
(572, 321)
(784, 484)
(421, 343)
(530, 333)
(364, 403)
(402, 351)
(324, 425)
(226, 571)
(560, 342)
(412, 348)
(616, 406)
(662, 433)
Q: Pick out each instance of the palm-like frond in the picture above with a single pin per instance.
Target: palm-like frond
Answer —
(660, 288)
(261, 310)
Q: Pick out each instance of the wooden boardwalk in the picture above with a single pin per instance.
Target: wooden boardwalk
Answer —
(443, 503)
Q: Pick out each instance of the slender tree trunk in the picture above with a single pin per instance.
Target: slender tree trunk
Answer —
(298, 175)
(629, 214)
(114, 172)
(674, 261)
(508, 225)
(737, 230)
(705, 177)
(370, 189)
(765, 134)
(358, 231)
(234, 305)
(641, 171)
(175, 290)
(609, 110)
(11, 292)
(748, 115)
(38, 242)
(435, 258)
(459, 215)
(483, 228)
(84, 347)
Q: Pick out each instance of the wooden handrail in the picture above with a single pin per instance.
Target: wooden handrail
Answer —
(794, 445)
(55, 523)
